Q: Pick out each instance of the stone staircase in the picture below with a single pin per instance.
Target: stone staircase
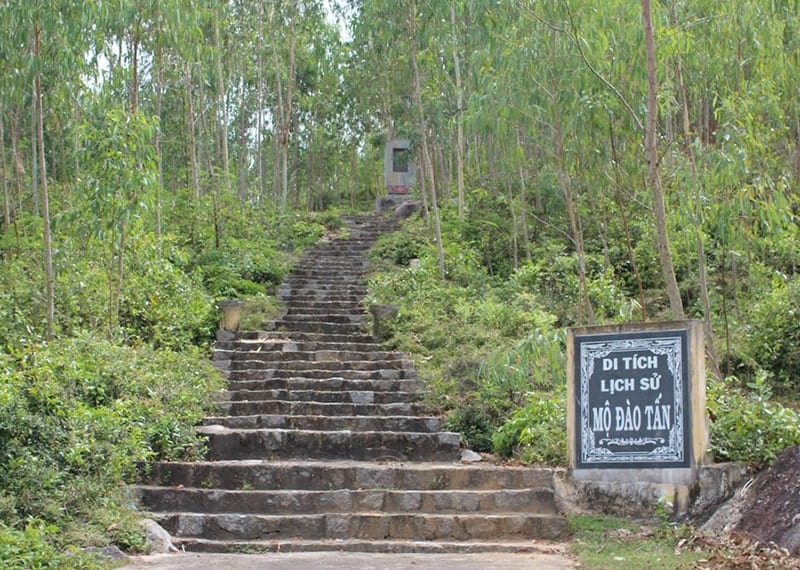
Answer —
(321, 442)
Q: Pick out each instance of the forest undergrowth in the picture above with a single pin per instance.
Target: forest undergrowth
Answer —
(490, 341)
(127, 378)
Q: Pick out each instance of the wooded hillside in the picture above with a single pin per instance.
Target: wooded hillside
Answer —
(579, 161)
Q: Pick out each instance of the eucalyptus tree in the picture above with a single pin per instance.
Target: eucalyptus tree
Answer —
(48, 40)
(423, 127)
(653, 175)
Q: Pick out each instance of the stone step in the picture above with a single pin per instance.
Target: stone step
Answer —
(354, 306)
(340, 474)
(319, 270)
(248, 374)
(226, 349)
(350, 245)
(320, 291)
(331, 282)
(335, 285)
(369, 526)
(322, 385)
(319, 327)
(225, 443)
(318, 355)
(299, 502)
(290, 319)
(367, 546)
(289, 296)
(284, 407)
(266, 336)
(323, 312)
(327, 268)
(247, 362)
(334, 396)
(329, 423)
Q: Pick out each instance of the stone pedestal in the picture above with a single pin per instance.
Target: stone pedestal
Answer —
(231, 310)
(637, 409)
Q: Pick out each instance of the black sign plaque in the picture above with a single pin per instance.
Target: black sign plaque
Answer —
(633, 400)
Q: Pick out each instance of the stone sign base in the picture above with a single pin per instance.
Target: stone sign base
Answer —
(636, 418)
(711, 485)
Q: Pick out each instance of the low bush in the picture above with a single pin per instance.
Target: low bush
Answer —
(747, 425)
(401, 247)
(35, 545)
(474, 424)
(773, 334)
(535, 432)
(77, 415)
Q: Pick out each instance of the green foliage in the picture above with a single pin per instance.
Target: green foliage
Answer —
(747, 425)
(305, 233)
(161, 304)
(482, 345)
(507, 377)
(554, 280)
(773, 334)
(36, 546)
(535, 433)
(257, 310)
(77, 415)
(474, 424)
(400, 247)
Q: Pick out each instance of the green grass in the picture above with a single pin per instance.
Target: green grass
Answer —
(602, 542)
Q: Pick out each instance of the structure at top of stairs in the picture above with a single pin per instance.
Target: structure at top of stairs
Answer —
(321, 442)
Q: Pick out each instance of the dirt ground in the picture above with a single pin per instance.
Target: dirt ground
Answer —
(770, 506)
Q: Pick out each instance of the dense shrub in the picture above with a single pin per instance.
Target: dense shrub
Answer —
(474, 424)
(536, 432)
(77, 415)
(773, 334)
(747, 424)
(554, 281)
(36, 546)
(161, 304)
(402, 246)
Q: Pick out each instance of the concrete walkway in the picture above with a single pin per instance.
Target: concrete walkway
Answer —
(349, 561)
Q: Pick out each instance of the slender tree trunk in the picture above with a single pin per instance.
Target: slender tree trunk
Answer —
(34, 146)
(476, 151)
(423, 131)
(423, 188)
(284, 114)
(654, 179)
(157, 137)
(353, 176)
(260, 104)
(135, 68)
(50, 278)
(586, 312)
(76, 141)
(625, 227)
(523, 201)
(514, 236)
(223, 111)
(195, 174)
(16, 160)
(4, 172)
(243, 125)
(289, 114)
(711, 350)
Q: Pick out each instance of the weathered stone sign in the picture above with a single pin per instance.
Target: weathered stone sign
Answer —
(633, 393)
(637, 401)
(398, 173)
